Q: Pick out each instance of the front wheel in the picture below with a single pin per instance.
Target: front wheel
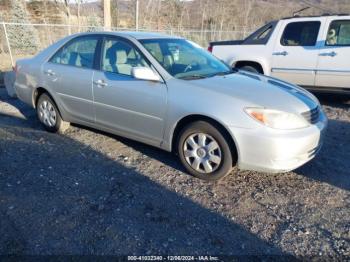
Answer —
(204, 151)
(49, 115)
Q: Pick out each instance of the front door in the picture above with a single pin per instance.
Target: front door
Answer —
(69, 75)
(334, 57)
(295, 55)
(135, 108)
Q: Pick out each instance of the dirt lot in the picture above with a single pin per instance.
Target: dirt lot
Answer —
(87, 192)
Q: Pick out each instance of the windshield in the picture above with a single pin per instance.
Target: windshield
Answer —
(184, 60)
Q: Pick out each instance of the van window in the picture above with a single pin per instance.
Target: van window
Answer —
(339, 33)
(301, 34)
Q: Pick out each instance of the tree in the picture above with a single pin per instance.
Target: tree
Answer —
(23, 38)
(66, 9)
(115, 13)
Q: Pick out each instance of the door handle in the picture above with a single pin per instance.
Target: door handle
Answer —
(284, 53)
(49, 72)
(100, 83)
(332, 54)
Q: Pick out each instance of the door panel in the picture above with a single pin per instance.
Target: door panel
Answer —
(129, 105)
(69, 74)
(123, 103)
(295, 55)
(334, 64)
(74, 89)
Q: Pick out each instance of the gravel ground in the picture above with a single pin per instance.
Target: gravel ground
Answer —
(87, 192)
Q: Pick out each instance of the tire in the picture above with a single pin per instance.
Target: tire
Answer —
(199, 157)
(49, 116)
(251, 69)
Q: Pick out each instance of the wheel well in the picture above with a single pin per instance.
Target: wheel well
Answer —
(256, 65)
(193, 118)
(37, 93)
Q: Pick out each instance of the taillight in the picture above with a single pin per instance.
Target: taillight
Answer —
(210, 48)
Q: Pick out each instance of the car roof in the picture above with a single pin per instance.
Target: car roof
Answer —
(134, 34)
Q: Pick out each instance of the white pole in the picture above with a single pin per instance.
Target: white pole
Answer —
(8, 44)
(107, 14)
(137, 15)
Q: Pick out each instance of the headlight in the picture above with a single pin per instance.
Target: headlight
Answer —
(277, 119)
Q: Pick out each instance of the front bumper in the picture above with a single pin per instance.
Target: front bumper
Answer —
(275, 151)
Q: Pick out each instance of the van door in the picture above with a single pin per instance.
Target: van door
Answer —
(295, 55)
(334, 57)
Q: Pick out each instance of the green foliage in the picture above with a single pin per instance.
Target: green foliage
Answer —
(23, 38)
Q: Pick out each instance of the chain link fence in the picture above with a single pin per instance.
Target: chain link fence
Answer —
(25, 40)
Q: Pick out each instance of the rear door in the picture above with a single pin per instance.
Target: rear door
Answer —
(334, 57)
(132, 107)
(295, 54)
(69, 75)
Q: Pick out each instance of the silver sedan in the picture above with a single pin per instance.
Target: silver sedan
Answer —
(167, 92)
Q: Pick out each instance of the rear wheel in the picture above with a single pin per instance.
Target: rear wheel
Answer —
(49, 115)
(204, 151)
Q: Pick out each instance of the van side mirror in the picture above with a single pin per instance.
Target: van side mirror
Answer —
(145, 73)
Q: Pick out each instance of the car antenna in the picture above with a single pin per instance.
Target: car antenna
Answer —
(295, 13)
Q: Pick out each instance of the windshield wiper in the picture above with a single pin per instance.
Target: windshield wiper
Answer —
(193, 77)
(232, 71)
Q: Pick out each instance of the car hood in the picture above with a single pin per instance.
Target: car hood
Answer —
(256, 90)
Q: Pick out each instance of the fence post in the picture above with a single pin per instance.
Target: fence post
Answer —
(8, 44)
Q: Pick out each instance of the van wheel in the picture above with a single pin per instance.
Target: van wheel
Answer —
(204, 151)
(49, 115)
(250, 69)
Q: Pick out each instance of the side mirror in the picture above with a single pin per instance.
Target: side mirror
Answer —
(144, 73)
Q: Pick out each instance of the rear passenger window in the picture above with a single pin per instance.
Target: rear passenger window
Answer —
(339, 33)
(79, 53)
(301, 34)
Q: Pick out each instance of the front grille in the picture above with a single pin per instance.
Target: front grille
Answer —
(312, 116)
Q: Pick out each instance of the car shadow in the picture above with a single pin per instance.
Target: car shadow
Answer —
(59, 196)
(167, 158)
(24, 109)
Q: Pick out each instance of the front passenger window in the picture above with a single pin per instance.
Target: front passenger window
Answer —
(120, 57)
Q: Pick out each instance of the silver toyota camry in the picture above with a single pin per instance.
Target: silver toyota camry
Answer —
(167, 92)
